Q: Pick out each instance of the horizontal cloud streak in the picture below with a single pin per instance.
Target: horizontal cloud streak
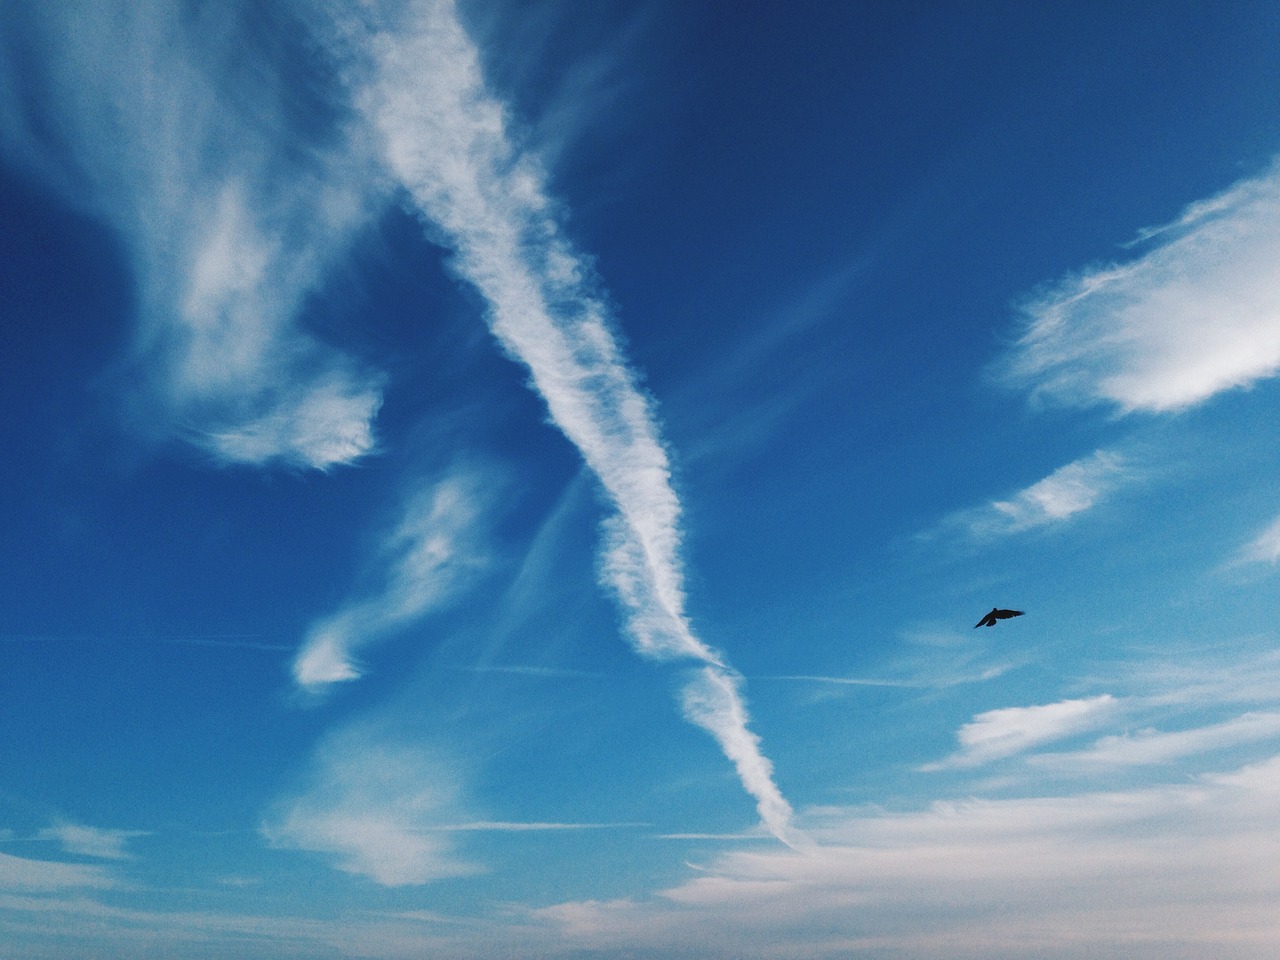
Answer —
(997, 734)
(1067, 492)
(92, 841)
(1185, 870)
(24, 875)
(1197, 314)
(1154, 747)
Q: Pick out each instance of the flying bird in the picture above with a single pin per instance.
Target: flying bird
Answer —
(996, 614)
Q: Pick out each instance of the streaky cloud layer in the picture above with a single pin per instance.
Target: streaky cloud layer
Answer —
(445, 140)
(1004, 732)
(1186, 870)
(1197, 314)
(23, 875)
(1150, 747)
(89, 841)
(229, 208)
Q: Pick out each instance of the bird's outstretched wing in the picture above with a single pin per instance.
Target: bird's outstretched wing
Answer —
(996, 614)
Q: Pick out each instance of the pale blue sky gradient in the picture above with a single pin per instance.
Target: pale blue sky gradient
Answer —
(507, 479)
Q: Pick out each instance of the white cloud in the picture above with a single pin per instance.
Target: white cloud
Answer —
(434, 552)
(937, 679)
(325, 658)
(92, 841)
(1170, 872)
(1197, 314)
(419, 83)
(1154, 747)
(1068, 491)
(1244, 671)
(713, 701)
(23, 875)
(1183, 871)
(329, 422)
(997, 734)
(376, 809)
(445, 140)
(229, 206)
(1264, 548)
(508, 826)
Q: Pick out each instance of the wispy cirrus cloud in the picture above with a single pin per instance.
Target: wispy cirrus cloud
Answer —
(1264, 547)
(936, 681)
(1067, 492)
(1149, 747)
(416, 77)
(1183, 870)
(436, 550)
(231, 188)
(934, 658)
(1197, 314)
(40, 876)
(510, 826)
(374, 807)
(231, 207)
(996, 734)
(92, 841)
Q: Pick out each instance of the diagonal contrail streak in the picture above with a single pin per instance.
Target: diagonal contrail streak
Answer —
(445, 141)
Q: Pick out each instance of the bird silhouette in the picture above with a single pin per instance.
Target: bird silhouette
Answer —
(996, 614)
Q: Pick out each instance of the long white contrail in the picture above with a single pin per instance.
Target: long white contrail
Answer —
(446, 142)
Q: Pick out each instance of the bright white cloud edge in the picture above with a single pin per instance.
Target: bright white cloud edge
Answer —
(1181, 871)
(1058, 498)
(997, 734)
(1197, 314)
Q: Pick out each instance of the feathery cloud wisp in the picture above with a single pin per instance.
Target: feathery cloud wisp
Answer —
(1264, 548)
(1065, 493)
(229, 209)
(91, 841)
(1197, 314)
(1152, 747)
(445, 141)
(373, 807)
(433, 553)
(997, 734)
(24, 875)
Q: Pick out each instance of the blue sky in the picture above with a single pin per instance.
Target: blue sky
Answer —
(519, 480)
